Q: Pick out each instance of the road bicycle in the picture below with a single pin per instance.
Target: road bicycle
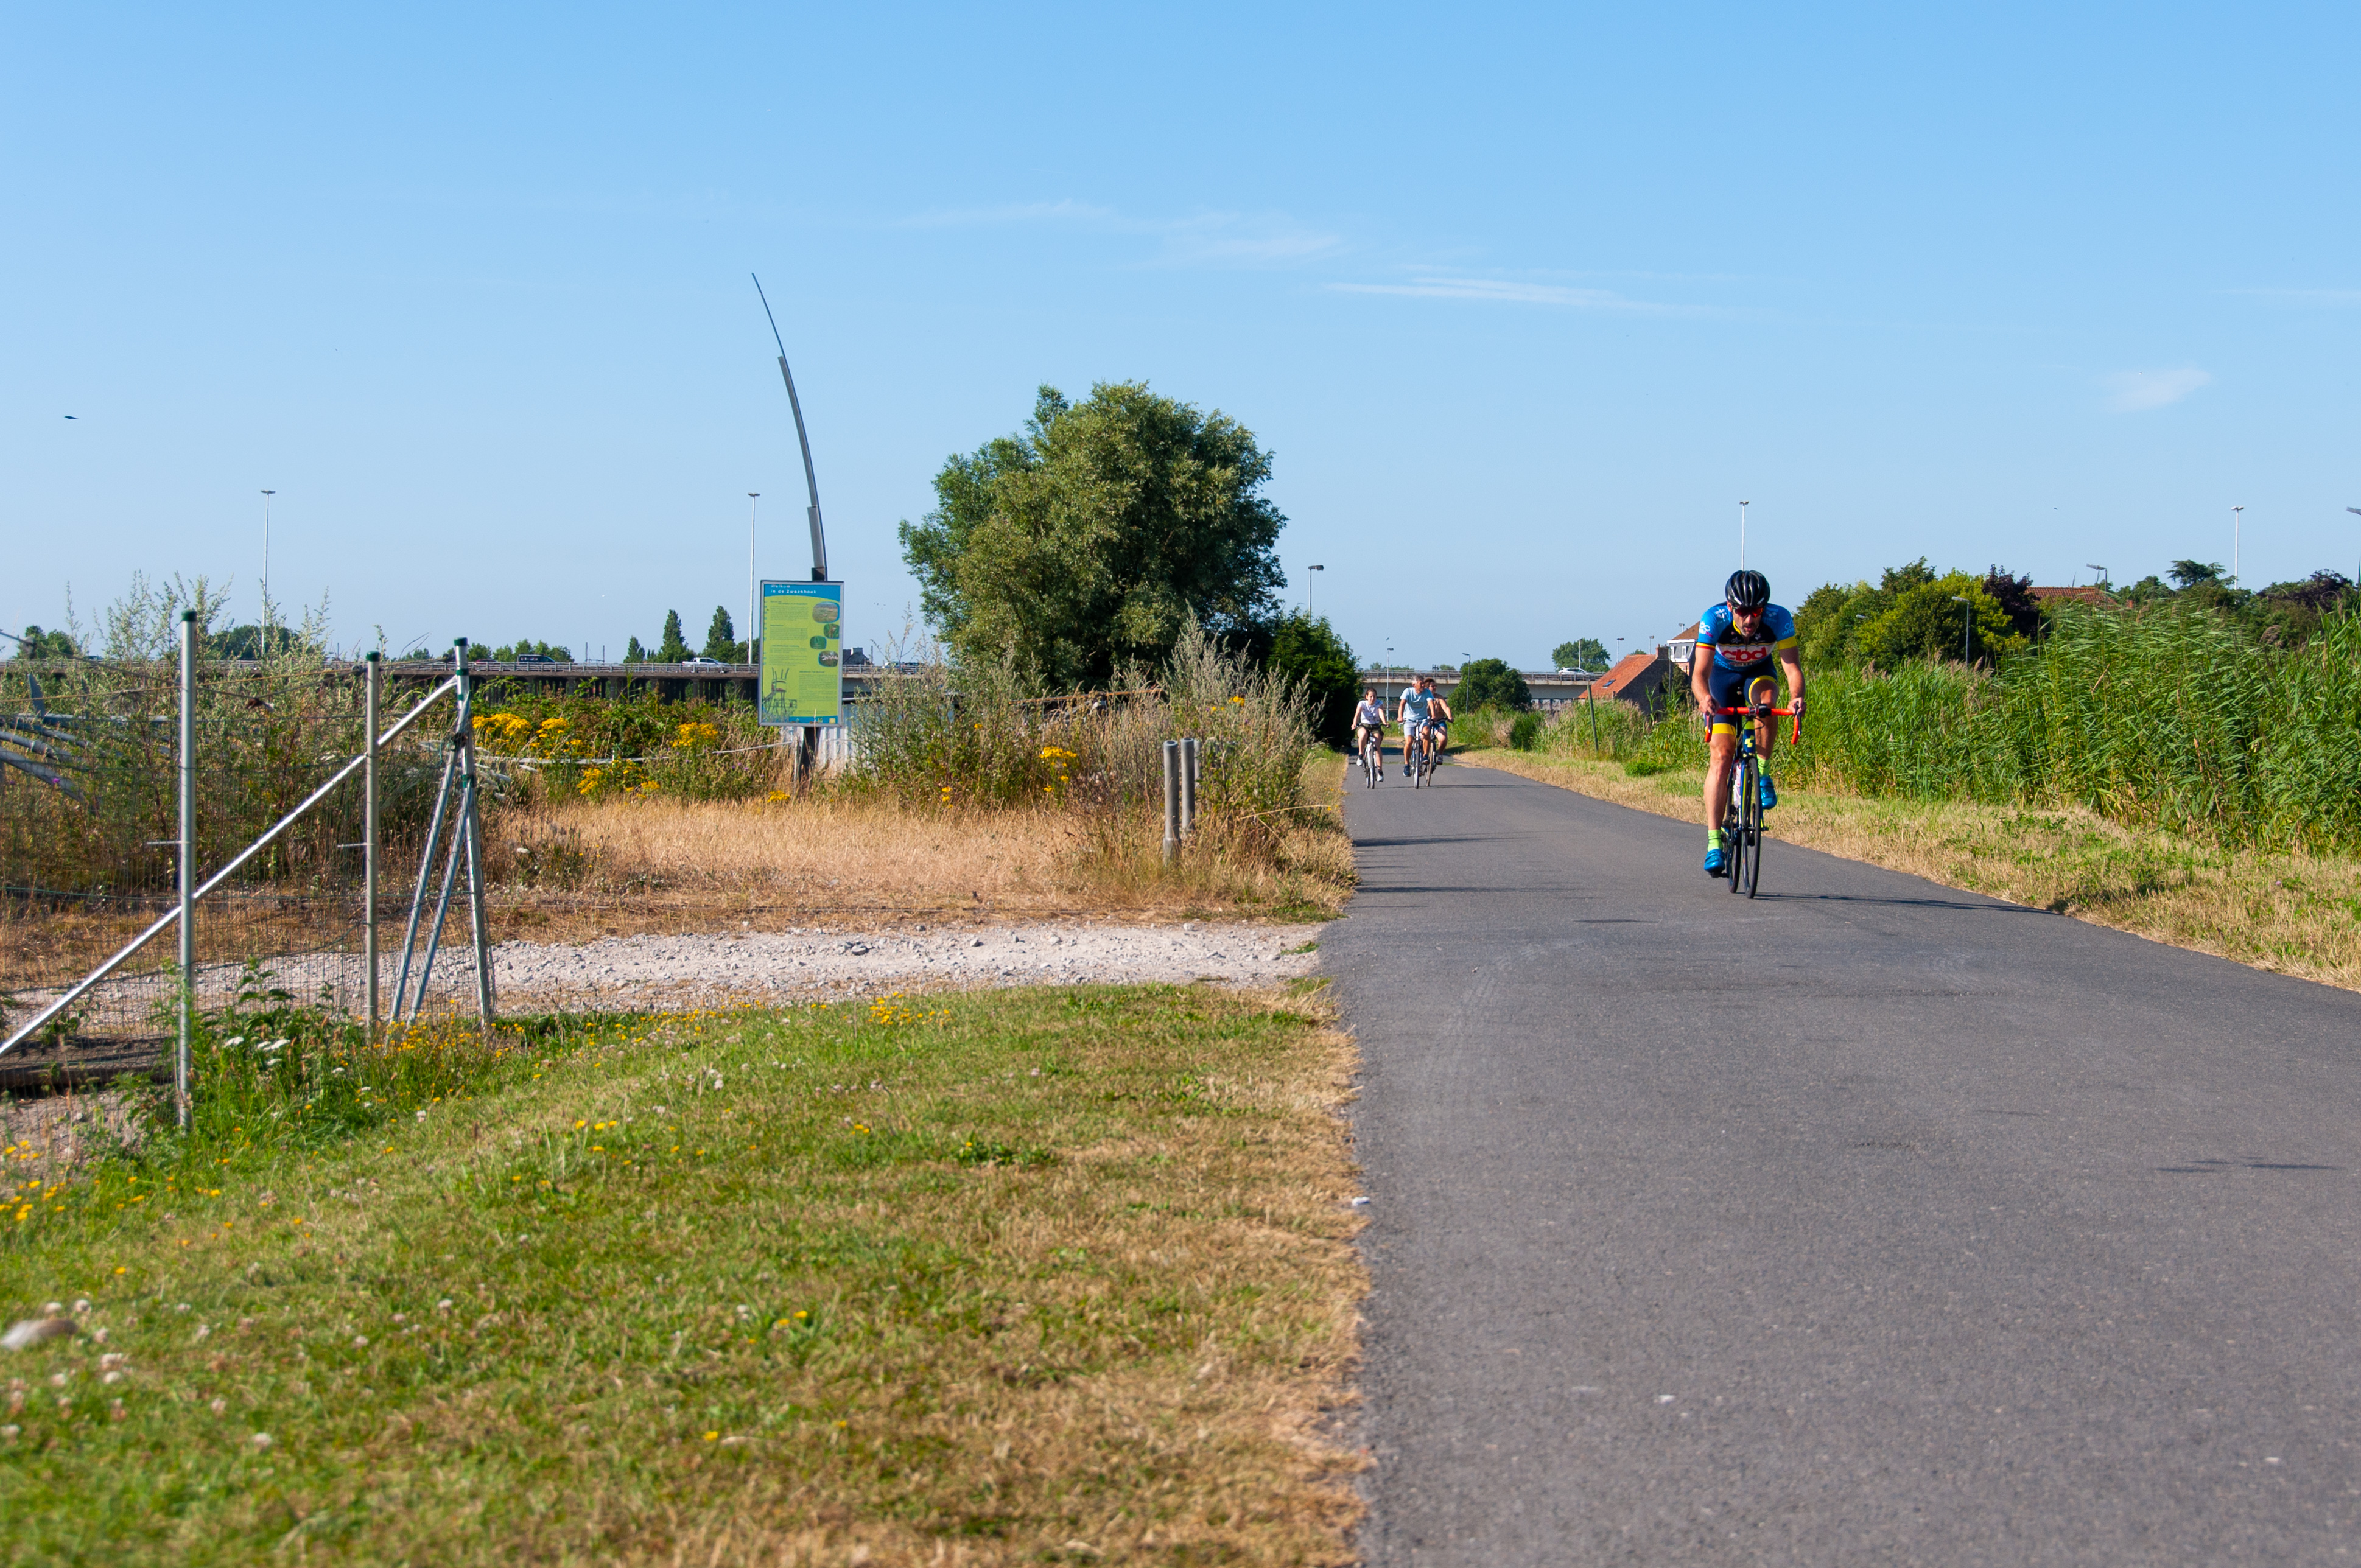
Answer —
(1373, 754)
(1741, 820)
(1421, 760)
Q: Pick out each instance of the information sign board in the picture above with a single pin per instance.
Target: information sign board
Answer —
(803, 653)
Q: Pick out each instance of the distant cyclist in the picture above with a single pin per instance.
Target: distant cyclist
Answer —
(1744, 630)
(1416, 702)
(1369, 726)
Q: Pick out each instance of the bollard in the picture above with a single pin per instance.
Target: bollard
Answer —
(1188, 789)
(1171, 798)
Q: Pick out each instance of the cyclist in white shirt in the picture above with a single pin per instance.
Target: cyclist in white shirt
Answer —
(1369, 716)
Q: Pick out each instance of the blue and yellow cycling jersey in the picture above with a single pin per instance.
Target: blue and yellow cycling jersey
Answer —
(1735, 651)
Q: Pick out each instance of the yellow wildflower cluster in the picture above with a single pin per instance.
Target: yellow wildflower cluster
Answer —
(695, 735)
(892, 1010)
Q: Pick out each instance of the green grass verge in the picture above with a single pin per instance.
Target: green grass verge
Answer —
(1005, 1276)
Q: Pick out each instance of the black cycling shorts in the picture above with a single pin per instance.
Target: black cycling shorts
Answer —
(1728, 689)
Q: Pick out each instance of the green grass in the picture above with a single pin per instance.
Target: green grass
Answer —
(1008, 1275)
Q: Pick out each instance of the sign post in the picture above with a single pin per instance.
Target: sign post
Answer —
(803, 663)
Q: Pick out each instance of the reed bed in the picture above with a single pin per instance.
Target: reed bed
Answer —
(2167, 718)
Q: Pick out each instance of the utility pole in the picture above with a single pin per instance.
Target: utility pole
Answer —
(753, 586)
(266, 572)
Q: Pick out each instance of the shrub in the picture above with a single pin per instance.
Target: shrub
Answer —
(1525, 732)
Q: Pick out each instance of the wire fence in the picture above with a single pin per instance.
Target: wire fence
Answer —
(278, 805)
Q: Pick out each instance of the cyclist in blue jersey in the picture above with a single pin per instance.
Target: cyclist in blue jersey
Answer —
(1416, 704)
(1745, 632)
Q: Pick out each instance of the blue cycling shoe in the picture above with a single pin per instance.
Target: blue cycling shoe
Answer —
(1770, 795)
(1713, 860)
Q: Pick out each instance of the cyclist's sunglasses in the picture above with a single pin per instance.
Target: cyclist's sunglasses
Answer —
(1754, 614)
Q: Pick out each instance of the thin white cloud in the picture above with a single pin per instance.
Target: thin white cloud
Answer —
(2132, 391)
(2332, 297)
(1513, 291)
(1200, 239)
(1012, 213)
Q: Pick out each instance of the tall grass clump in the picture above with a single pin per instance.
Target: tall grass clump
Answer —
(970, 736)
(269, 732)
(1597, 731)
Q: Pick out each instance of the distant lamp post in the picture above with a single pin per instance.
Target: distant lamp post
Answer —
(1308, 585)
(2104, 579)
(1741, 534)
(753, 588)
(1967, 625)
(266, 571)
(2357, 512)
(2236, 519)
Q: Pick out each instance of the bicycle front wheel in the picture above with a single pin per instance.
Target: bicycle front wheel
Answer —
(1736, 850)
(1754, 815)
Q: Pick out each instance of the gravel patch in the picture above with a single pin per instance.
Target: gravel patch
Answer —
(675, 971)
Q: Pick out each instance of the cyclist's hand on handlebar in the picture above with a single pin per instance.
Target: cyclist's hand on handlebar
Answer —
(1795, 704)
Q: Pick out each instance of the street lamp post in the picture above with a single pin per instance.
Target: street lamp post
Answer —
(1308, 583)
(2235, 521)
(753, 588)
(1967, 625)
(1741, 534)
(266, 572)
(2357, 512)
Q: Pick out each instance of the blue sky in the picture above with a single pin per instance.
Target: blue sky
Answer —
(1523, 301)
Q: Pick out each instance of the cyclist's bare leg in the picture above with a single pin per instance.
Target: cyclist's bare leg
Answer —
(1724, 747)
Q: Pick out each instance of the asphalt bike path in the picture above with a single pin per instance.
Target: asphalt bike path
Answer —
(1865, 1222)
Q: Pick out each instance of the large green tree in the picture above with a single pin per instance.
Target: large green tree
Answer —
(674, 647)
(721, 637)
(1582, 653)
(1092, 538)
(1491, 683)
(1310, 650)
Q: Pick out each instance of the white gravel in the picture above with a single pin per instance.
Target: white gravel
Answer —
(752, 966)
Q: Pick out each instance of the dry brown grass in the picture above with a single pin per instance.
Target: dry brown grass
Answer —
(2293, 914)
(625, 866)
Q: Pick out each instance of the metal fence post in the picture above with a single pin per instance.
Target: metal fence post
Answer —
(1189, 788)
(188, 1019)
(1171, 798)
(471, 840)
(374, 671)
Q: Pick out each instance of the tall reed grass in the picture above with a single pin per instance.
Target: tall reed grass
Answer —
(2165, 717)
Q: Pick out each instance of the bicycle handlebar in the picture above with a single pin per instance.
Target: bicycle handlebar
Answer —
(1795, 730)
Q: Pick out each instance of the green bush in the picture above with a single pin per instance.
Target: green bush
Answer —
(1525, 732)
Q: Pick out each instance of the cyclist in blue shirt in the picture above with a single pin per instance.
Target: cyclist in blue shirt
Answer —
(1744, 632)
(1416, 701)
